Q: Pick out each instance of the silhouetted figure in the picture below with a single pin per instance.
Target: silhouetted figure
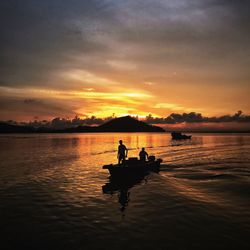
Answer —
(143, 155)
(122, 152)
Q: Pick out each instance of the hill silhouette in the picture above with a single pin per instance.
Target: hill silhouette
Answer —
(10, 128)
(122, 124)
(128, 124)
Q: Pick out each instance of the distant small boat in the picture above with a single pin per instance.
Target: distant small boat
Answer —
(180, 136)
(133, 167)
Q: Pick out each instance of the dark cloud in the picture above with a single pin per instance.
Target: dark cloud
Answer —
(39, 38)
(62, 123)
(182, 42)
(186, 118)
(25, 109)
(194, 117)
(31, 101)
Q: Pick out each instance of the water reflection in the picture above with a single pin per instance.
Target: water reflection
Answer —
(52, 191)
(122, 187)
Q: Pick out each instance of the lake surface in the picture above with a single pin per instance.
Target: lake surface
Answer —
(54, 193)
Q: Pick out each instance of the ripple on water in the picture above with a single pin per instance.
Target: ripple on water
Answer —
(52, 192)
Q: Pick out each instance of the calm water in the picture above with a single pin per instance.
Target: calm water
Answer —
(55, 195)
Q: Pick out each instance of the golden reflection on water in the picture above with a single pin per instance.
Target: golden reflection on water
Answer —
(92, 151)
(51, 187)
(83, 176)
(75, 160)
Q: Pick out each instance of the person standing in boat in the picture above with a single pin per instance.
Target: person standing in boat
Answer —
(122, 153)
(143, 155)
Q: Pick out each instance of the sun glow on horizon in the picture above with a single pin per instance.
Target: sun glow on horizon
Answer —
(99, 59)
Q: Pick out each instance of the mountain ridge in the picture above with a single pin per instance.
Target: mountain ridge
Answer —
(121, 124)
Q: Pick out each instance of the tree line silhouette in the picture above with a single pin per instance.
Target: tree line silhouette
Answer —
(174, 118)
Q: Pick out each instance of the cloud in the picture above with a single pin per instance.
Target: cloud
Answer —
(40, 38)
(31, 101)
(168, 106)
(189, 122)
(20, 109)
(27, 103)
(102, 37)
(175, 51)
(121, 65)
(193, 117)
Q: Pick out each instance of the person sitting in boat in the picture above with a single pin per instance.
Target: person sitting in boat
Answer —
(143, 155)
(122, 153)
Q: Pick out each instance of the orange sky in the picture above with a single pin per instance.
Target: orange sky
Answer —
(124, 57)
(104, 96)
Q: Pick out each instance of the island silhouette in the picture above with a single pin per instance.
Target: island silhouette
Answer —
(121, 124)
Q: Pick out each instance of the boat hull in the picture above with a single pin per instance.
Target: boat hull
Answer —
(132, 170)
(180, 136)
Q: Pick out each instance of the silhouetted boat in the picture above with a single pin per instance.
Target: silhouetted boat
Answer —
(180, 136)
(133, 168)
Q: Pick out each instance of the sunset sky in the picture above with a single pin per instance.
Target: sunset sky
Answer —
(99, 57)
